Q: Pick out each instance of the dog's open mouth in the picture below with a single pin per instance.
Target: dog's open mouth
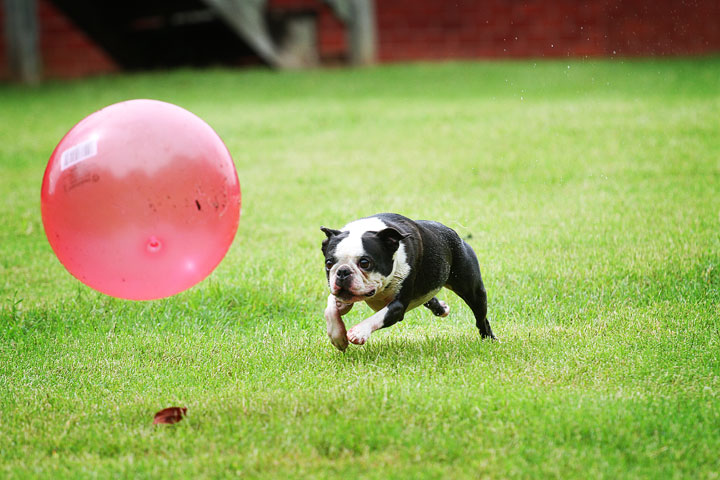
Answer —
(344, 294)
(348, 296)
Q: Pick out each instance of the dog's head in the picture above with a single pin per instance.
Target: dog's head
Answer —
(359, 259)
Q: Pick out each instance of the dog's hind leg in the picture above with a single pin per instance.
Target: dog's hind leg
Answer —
(476, 298)
(465, 280)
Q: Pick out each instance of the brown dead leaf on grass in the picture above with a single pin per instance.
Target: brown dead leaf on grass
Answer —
(170, 415)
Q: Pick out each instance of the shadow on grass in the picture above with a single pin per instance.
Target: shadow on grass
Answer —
(418, 348)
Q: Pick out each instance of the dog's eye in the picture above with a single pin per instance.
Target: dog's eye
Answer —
(329, 264)
(364, 263)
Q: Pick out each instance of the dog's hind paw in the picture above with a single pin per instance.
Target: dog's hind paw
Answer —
(438, 307)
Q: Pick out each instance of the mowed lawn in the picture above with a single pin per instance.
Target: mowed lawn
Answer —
(589, 190)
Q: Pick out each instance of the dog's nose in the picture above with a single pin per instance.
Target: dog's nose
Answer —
(343, 273)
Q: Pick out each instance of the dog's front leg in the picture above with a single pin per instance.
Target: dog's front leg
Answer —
(393, 313)
(335, 325)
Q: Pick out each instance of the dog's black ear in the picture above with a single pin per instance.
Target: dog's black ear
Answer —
(330, 232)
(391, 237)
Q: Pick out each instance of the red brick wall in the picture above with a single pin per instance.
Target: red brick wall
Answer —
(444, 29)
(65, 50)
(441, 29)
(495, 28)
(3, 50)
(663, 27)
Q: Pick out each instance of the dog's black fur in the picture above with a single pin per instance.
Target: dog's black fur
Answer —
(436, 256)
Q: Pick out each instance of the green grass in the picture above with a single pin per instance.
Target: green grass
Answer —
(590, 191)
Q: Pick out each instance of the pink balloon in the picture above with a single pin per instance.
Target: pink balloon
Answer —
(140, 200)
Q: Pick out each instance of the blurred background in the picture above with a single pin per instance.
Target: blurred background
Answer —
(46, 39)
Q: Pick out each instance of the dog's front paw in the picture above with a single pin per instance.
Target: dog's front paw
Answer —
(359, 334)
(340, 341)
(338, 336)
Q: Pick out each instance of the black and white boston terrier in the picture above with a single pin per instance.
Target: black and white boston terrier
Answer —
(395, 264)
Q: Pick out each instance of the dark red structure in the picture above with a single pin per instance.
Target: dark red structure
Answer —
(409, 30)
(65, 50)
(429, 29)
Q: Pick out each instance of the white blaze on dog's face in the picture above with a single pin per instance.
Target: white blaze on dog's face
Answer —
(360, 259)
